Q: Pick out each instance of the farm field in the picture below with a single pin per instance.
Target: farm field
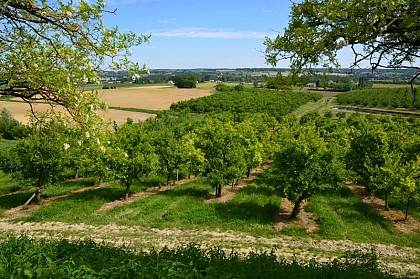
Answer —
(150, 97)
(146, 97)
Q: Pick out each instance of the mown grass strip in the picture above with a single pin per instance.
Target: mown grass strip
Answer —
(251, 210)
(342, 215)
(184, 206)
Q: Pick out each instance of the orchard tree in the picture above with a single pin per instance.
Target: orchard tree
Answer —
(219, 141)
(255, 132)
(133, 155)
(194, 156)
(409, 187)
(50, 49)
(306, 165)
(385, 178)
(167, 133)
(39, 158)
(381, 33)
(10, 128)
(369, 146)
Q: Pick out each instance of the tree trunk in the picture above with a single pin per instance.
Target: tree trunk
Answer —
(296, 208)
(218, 191)
(406, 209)
(386, 201)
(168, 179)
(248, 173)
(76, 175)
(39, 189)
(168, 171)
(127, 191)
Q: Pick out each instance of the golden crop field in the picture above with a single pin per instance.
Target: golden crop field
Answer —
(148, 97)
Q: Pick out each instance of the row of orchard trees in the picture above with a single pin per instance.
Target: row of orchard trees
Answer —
(309, 154)
(381, 153)
(221, 147)
(385, 156)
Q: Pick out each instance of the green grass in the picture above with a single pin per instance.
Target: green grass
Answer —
(82, 207)
(28, 258)
(7, 143)
(342, 215)
(251, 210)
(310, 106)
(7, 185)
(6, 98)
(206, 85)
(12, 194)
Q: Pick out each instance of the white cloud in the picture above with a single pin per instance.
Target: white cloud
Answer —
(208, 34)
(167, 20)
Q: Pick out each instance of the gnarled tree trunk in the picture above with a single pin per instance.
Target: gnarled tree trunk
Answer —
(296, 207)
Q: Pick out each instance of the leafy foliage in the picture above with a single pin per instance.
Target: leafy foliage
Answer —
(384, 33)
(25, 258)
(37, 158)
(186, 82)
(10, 128)
(384, 97)
(51, 48)
(306, 165)
(273, 102)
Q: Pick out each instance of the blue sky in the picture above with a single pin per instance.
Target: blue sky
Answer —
(201, 33)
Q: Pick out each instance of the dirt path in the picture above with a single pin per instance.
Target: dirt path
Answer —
(394, 258)
(395, 216)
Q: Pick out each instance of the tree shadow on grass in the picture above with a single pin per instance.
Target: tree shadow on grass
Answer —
(83, 182)
(259, 190)
(247, 211)
(187, 191)
(352, 209)
(14, 200)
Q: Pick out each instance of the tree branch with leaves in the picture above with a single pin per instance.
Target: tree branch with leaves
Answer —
(383, 33)
(50, 49)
